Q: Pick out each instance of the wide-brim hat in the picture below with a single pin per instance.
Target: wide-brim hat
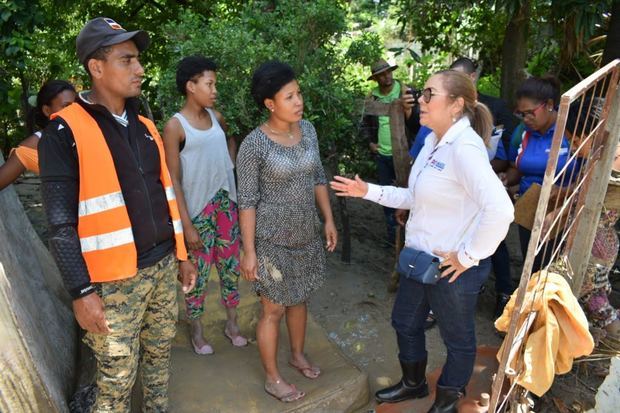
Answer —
(103, 31)
(381, 66)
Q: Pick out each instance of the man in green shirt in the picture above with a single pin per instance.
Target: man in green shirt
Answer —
(376, 129)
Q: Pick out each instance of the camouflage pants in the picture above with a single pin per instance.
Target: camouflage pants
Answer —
(142, 312)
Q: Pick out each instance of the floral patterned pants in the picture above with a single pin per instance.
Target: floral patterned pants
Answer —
(218, 226)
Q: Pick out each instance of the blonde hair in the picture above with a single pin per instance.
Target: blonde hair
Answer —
(458, 84)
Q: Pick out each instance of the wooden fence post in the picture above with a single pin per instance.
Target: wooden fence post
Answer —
(400, 145)
(580, 251)
(401, 160)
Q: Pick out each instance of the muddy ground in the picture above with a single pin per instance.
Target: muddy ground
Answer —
(354, 306)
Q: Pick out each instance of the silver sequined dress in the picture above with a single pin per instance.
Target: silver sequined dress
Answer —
(278, 181)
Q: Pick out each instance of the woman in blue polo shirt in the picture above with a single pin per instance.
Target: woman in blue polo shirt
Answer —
(537, 100)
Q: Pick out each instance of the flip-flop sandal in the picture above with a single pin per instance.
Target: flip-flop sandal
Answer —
(289, 397)
(310, 372)
(237, 341)
(203, 350)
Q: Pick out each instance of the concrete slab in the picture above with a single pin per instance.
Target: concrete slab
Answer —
(486, 366)
(37, 330)
(231, 380)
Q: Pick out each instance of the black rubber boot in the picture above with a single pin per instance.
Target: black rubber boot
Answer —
(500, 303)
(411, 386)
(446, 400)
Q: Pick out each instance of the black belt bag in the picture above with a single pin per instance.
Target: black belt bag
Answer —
(419, 266)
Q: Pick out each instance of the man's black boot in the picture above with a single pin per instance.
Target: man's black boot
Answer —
(411, 386)
(446, 400)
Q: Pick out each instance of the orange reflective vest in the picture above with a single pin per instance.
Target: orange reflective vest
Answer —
(104, 227)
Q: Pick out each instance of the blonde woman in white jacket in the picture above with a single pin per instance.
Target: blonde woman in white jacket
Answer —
(459, 213)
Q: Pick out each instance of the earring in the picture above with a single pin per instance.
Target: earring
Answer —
(550, 109)
(272, 109)
(453, 119)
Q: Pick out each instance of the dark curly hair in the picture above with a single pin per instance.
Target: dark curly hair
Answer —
(268, 79)
(47, 93)
(192, 67)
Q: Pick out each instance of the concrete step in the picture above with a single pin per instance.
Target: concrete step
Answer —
(231, 380)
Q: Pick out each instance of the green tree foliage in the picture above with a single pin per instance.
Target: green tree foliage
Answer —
(365, 49)
(17, 42)
(38, 43)
(309, 35)
(453, 27)
(543, 35)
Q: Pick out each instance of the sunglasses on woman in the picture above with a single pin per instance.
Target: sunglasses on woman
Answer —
(427, 94)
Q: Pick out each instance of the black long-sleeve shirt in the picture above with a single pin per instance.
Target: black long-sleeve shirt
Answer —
(137, 163)
(501, 115)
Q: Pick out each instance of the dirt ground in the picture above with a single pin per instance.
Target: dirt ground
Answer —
(354, 306)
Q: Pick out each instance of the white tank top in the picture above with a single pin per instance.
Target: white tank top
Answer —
(206, 166)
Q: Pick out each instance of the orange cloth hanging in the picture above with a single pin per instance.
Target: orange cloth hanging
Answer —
(557, 336)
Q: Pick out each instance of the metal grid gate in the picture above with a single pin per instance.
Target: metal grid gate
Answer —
(568, 208)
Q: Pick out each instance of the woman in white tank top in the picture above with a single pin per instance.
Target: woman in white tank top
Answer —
(199, 158)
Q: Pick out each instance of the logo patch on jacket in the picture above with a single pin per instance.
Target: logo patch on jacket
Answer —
(435, 164)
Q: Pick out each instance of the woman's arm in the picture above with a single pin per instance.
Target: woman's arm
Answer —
(496, 209)
(389, 196)
(13, 167)
(172, 136)
(10, 171)
(322, 200)
(513, 176)
(248, 197)
(249, 261)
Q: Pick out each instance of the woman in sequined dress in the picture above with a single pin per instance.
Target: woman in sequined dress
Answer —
(281, 182)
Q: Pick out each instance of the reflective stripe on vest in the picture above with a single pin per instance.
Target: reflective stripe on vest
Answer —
(170, 194)
(176, 223)
(101, 203)
(105, 241)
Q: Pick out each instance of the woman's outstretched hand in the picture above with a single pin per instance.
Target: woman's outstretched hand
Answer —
(349, 187)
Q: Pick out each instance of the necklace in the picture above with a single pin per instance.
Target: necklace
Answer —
(288, 133)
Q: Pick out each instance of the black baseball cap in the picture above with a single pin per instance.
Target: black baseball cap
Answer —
(103, 31)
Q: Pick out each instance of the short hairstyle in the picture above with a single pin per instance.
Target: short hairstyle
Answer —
(46, 94)
(268, 79)
(540, 89)
(191, 68)
(99, 54)
(465, 63)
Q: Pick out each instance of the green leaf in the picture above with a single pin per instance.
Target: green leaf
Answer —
(415, 56)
